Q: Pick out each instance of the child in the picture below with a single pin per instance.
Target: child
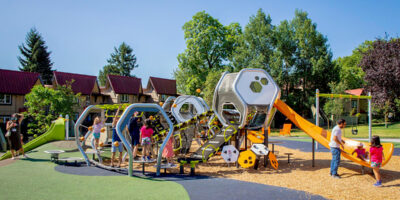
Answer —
(168, 152)
(361, 153)
(134, 130)
(146, 133)
(14, 129)
(97, 126)
(376, 152)
(115, 138)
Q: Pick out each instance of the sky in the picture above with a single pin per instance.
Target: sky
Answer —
(82, 34)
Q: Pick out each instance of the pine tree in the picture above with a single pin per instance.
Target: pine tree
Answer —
(35, 57)
(122, 62)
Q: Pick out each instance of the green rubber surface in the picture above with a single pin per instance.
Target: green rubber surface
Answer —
(36, 178)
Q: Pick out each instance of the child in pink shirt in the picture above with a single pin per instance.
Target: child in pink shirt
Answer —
(361, 153)
(377, 156)
(146, 132)
(168, 152)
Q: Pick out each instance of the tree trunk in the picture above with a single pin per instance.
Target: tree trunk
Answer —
(386, 120)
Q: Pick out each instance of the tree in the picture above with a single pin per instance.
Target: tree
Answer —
(35, 57)
(209, 86)
(209, 44)
(381, 65)
(46, 104)
(255, 45)
(351, 73)
(335, 106)
(122, 62)
(302, 61)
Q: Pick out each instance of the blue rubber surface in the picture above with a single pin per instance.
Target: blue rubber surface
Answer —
(204, 187)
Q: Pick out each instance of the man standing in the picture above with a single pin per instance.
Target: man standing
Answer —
(134, 131)
(336, 142)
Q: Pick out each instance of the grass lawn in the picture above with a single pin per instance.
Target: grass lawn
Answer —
(393, 131)
(37, 179)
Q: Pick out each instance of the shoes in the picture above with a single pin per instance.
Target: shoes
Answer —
(13, 158)
(171, 165)
(144, 159)
(148, 158)
(378, 184)
(336, 176)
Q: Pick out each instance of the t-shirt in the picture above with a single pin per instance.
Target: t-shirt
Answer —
(97, 127)
(115, 136)
(360, 152)
(336, 131)
(146, 132)
(376, 154)
(133, 126)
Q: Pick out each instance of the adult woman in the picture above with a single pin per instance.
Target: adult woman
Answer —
(15, 140)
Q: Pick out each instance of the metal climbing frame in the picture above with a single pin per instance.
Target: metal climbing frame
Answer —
(123, 121)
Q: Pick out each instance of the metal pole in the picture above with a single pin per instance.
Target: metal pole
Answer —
(317, 111)
(313, 152)
(67, 127)
(369, 117)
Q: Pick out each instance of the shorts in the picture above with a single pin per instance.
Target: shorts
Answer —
(119, 147)
(135, 140)
(96, 135)
(146, 141)
(376, 164)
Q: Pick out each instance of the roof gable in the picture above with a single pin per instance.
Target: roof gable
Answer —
(356, 92)
(163, 86)
(83, 84)
(17, 82)
(125, 84)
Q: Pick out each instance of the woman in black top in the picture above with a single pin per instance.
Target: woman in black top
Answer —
(14, 126)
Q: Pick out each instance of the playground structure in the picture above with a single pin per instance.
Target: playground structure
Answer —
(244, 105)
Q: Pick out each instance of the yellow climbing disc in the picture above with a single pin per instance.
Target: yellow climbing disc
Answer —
(247, 159)
(272, 159)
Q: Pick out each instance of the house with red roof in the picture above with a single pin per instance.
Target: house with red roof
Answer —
(86, 85)
(160, 89)
(14, 85)
(123, 89)
(358, 105)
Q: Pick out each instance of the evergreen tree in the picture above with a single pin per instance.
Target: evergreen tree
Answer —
(122, 62)
(35, 57)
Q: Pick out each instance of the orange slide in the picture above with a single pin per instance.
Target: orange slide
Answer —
(323, 136)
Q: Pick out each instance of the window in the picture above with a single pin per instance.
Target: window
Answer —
(87, 100)
(163, 97)
(5, 99)
(231, 114)
(4, 118)
(354, 104)
(76, 100)
(124, 98)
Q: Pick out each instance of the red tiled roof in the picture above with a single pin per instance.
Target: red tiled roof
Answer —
(17, 82)
(83, 84)
(163, 86)
(356, 92)
(125, 84)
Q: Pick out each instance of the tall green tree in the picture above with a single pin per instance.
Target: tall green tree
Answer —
(313, 61)
(35, 57)
(46, 104)
(209, 44)
(122, 62)
(351, 73)
(255, 45)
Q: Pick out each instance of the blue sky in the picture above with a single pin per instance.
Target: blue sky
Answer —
(82, 34)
